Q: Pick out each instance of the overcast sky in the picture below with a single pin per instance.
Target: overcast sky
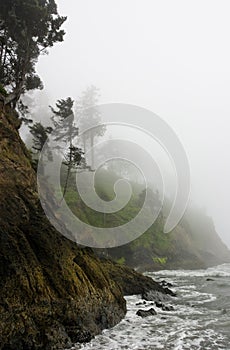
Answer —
(172, 57)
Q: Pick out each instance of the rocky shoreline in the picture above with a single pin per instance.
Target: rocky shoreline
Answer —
(52, 292)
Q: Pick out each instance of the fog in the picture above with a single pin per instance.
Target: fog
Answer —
(171, 57)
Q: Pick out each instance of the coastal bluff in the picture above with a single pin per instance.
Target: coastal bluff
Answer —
(52, 292)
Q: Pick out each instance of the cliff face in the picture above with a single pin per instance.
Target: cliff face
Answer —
(202, 232)
(52, 293)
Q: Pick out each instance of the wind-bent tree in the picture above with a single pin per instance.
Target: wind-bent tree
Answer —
(40, 134)
(63, 110)
(89, 118)
(73, 159)
(63, 120)
(66, 130)
(27, 29)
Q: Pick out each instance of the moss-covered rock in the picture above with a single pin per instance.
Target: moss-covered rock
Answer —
(52, 293)
(130, 281)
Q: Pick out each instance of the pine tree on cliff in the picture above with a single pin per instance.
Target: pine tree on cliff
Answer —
(66, 130)
(40, 134)
(27, 29)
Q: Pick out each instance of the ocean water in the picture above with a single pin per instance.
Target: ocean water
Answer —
(200, 320)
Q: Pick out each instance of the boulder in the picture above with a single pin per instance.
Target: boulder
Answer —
(146, 313)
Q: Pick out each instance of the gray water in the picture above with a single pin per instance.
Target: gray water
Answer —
(200, 321)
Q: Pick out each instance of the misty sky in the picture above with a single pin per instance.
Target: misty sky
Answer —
(172, 57)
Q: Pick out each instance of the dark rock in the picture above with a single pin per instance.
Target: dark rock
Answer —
(167, 308)
(81, 336)
(164, 283)
(164, 307)
(158, 304)
(158, 296)
(210, 279)
(169, 292)
(146, 313)
(132, 282)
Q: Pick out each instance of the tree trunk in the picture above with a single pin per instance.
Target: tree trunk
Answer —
(68, 172)
(85, 146)
(70, 163)
(92, 150)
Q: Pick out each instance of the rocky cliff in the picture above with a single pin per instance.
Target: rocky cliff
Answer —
(52, 293)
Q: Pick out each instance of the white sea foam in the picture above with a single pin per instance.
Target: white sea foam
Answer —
(217, 271)
(192, 325)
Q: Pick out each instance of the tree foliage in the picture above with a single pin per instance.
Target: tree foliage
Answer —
(74, 157)
(40, 134)
(27, 29)
(63, 110)
(63, 120)
(89, 118)
(66, 131)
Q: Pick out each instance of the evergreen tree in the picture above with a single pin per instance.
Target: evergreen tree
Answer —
(66, 130)
(73, 160)
(63, 120)
(27, 29)
(89, 118)
(40, 134)
(64, 109)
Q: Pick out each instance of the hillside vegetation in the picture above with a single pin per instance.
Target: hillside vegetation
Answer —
(194, 243)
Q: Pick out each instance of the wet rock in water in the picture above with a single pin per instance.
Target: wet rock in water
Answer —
(209, 279)
(167, 308)
(146, 313)
(164, 307)
(154, 295)
(169, 292)
(158, 304)
(164, 283)
(141, 303)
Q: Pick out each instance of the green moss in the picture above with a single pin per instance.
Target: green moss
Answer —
(121, 261)
(161, 261)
